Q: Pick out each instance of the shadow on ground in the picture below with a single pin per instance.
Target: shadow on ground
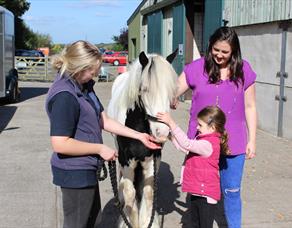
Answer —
(168, 193)
(6, 114)
(31, 92)
(7, 111)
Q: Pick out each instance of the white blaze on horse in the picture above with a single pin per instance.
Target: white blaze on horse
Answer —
(137, 95)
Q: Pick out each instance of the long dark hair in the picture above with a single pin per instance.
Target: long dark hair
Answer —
(214, 116)
(235, 63)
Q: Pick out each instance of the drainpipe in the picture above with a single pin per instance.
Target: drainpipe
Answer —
(284, 25)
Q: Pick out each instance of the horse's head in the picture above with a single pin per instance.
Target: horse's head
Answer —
(156, 89)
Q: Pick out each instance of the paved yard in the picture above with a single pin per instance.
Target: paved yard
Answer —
(29, 200)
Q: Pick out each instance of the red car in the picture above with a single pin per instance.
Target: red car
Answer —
(106, 55)
(118, 58)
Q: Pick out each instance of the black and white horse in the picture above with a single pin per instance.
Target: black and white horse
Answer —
(146, 89)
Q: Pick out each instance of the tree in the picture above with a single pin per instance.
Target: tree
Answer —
(25, 38)
(22, 35)
(18, 8)
(57, 48)
(122, 39)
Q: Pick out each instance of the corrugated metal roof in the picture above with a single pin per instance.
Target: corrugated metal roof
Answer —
(243, 12)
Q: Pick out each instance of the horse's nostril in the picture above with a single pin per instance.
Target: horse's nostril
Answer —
(161, 139)
(157, 132)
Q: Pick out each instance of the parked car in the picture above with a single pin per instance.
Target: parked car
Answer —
(27, 53)
(106, 55)
(118, 58)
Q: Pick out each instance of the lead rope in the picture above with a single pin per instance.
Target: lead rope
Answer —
(113, 177)
(98, 172)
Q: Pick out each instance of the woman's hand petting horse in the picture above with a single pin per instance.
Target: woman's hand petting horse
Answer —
(149, 141)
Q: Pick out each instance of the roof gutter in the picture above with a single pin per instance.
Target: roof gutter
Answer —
(137, 10)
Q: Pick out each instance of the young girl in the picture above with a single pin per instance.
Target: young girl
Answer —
(201, 169)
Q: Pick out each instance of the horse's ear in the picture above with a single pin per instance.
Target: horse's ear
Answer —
(171, 57)
(143, 59)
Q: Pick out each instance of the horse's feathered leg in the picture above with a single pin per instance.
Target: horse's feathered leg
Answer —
(148, 193)
(129, 195)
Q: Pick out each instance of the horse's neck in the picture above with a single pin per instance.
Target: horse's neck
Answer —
(118, 106)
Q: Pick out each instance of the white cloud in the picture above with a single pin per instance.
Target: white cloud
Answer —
(84, 4)
(45, 20)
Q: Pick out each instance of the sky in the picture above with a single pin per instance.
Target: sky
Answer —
(66, 21)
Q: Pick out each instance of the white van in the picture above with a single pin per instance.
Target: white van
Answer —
(8, 73)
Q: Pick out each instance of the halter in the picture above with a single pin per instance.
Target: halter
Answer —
(148, 116)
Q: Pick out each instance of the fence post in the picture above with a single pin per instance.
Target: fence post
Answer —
(46, 68)
(284, 25)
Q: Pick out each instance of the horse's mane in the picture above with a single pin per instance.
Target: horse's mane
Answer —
(157, 82)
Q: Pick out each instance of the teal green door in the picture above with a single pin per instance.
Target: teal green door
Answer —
(179, 36)
(154, 42)
(212, 19)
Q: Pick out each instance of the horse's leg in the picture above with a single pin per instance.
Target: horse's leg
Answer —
(127, 190)
(148, 193)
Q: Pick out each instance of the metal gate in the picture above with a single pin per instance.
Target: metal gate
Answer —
(34, 68)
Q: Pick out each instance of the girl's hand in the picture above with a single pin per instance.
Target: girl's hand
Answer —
(250, 150)
(107, 153)
(149, 141)
(166, 118)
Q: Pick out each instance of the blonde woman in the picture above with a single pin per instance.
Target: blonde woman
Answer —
(77, 118)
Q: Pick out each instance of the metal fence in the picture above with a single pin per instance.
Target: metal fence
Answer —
(40, 69)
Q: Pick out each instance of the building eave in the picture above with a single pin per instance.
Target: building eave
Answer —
(158, 6)
(137, 10)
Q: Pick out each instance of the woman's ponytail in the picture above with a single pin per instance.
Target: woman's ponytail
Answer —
(76, 57)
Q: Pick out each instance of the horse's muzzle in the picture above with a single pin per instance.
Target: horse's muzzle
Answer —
(161, 139)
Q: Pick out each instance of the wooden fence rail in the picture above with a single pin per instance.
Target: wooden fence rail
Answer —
(34, 68)
(40, 69)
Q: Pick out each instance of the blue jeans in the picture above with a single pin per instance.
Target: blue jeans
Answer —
(231, 170)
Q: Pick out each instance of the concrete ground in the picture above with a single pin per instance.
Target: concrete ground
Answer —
(28, 199)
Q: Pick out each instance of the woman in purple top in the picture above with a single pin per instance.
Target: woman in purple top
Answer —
(222, 78)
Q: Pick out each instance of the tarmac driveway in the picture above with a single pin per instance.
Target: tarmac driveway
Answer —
(29, 200)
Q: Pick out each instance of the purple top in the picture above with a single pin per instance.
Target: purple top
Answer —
(226, 95)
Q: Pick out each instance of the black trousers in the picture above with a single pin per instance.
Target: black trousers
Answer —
(202, 213)
(81, 207)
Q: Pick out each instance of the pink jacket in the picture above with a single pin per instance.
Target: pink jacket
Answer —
(201, 172)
